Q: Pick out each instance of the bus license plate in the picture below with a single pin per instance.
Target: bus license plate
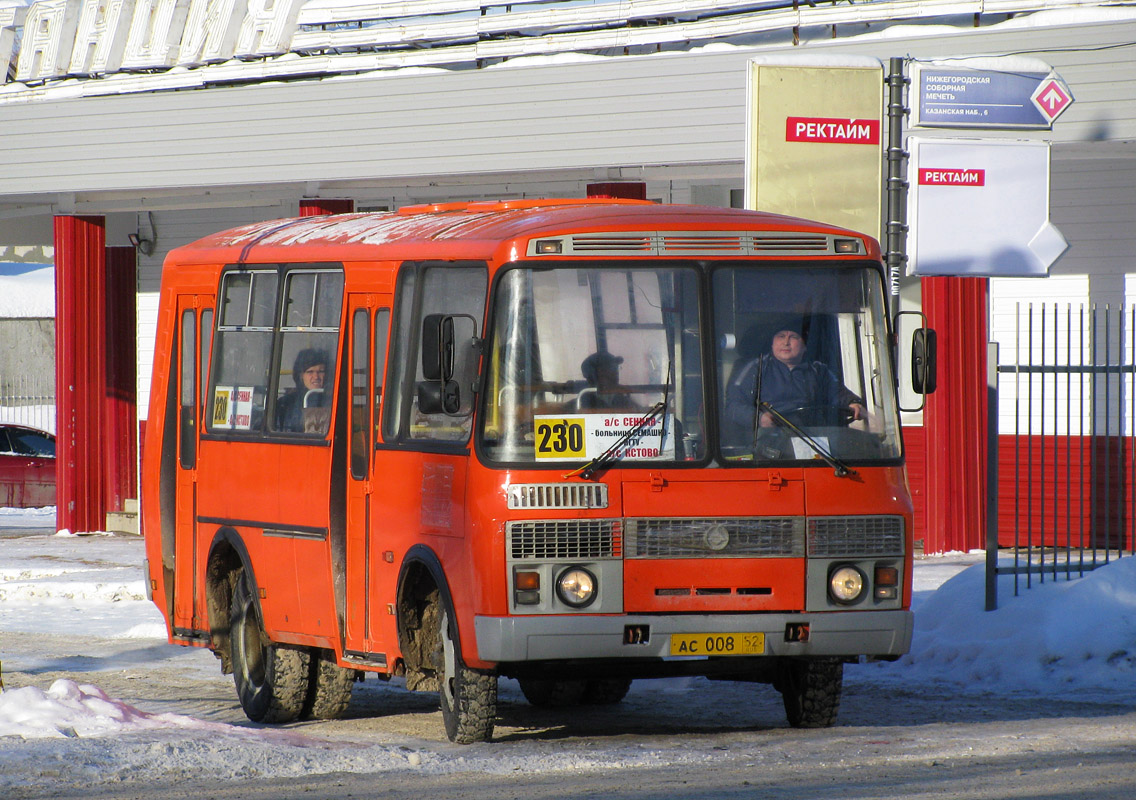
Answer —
(717, 644)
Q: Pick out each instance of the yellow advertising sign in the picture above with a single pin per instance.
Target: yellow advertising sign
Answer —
(814, 142)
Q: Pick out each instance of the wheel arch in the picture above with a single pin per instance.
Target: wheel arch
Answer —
(228, 556)
(420, 575)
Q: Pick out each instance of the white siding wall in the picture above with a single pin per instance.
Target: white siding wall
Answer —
(1093, 203)
(174, 230)
(589, 114)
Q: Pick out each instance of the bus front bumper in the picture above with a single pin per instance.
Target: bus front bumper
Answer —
(878, 634)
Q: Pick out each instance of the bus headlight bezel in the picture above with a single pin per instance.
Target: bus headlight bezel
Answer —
(576, 587)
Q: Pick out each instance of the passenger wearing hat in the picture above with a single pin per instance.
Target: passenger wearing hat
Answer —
(309, 371)
(806, 392)
(601, 371)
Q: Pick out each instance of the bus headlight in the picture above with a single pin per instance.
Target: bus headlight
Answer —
(576, 587)
(846, 584)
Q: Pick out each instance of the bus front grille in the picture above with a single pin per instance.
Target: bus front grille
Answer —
(557, 540)
(748, 537)
(839, 537)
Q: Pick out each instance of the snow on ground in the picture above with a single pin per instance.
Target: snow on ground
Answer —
(1049, 640)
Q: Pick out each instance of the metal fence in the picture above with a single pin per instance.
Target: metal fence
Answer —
(25, 401)
(1062, 450)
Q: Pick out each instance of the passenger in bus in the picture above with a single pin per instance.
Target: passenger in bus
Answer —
(805, 392)
(604, 391)
(309, 371)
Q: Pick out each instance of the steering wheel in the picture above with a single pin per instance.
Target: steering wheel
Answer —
(828, 415)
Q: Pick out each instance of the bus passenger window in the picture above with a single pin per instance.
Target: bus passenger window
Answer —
(238, 391)
(309, 339)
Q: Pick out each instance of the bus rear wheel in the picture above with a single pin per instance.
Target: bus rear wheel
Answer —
(468, 697)
(811, 690)
(271, 679)
(545, 693)
(330, 691)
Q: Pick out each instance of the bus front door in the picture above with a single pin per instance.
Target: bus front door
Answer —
(368, 349)
(195, 325)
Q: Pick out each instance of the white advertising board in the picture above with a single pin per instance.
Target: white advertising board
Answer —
(980, 207)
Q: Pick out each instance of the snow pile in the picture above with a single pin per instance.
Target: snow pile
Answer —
(27, 290)
(69, 709)
(1058, 635)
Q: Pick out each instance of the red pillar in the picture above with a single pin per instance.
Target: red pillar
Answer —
(80, 375)
(318, 206)
(120, 453)
(955, 416)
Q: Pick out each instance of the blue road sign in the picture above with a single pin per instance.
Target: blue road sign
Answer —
(952, 97)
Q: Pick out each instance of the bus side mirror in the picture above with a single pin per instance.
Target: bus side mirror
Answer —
(923, 361)
(450, 352)
(438, 347)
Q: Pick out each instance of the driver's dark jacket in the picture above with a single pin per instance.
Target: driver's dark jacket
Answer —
(810, 383)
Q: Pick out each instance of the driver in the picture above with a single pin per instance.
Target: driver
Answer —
(806, 392)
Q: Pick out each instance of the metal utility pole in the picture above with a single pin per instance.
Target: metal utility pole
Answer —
(896, 245)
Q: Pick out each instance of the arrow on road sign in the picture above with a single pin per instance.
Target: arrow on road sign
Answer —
(1052, 97)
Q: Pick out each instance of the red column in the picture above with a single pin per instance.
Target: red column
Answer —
(80, 376)
(955, 416)
(318, 206)
(120, 453)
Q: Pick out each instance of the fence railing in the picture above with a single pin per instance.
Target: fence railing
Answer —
(25, 401)
(1063, 472)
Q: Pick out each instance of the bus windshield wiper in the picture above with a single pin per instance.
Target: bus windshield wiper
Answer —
(615, 451)
(841, 469)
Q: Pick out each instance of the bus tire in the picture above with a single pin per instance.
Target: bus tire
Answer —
(330, 691)
(468, 697)
(606, 691)
(546, 693)
(271, 679)
(810, 689)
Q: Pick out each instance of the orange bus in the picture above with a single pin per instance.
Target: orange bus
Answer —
(570, 442)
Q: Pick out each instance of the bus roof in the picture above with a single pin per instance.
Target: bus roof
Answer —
(472, 230)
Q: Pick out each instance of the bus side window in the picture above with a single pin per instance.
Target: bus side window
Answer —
(243, 354)
(309, 341)
(382, 332)
(188, 435)
(425, 290)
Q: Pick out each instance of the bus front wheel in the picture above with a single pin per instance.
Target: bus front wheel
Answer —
(811, 690)
(271, 679)
(468, 696)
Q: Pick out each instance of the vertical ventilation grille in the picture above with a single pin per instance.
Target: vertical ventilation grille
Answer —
(838, 537)
(561, 539)
(557, 495)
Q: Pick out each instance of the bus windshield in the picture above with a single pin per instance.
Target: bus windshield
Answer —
(608, 361)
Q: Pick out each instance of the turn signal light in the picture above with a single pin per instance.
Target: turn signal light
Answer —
(526, 588)
(887, 582)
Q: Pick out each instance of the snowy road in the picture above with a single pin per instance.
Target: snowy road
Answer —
(97, 705)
